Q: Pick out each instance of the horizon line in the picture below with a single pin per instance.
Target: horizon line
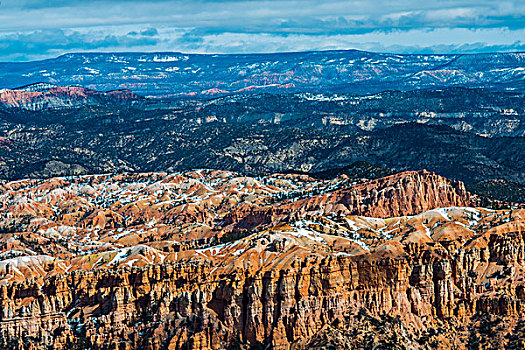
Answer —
(261, 53)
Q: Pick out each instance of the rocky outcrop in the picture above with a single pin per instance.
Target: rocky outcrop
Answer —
(180, 306)
(402, 194)
(185, 209)
(39, 97)
(107, 274)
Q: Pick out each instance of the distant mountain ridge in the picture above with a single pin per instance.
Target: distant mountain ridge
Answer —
(194, 75)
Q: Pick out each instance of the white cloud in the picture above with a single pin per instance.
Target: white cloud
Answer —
(255, 25)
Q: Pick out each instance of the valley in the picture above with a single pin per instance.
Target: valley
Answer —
(308, 200)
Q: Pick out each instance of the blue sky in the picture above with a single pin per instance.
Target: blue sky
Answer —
(35, 29)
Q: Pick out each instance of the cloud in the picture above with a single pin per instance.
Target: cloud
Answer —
(145, 32)
(268, 16)
(149, 32)
(41, 28)
(414, 41)
(22, 46)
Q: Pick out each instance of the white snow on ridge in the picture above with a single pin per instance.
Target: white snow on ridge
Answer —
(120, 256)
(91, 70)
(442, 212)
(314, 236)
(169, 58)
(427, 231)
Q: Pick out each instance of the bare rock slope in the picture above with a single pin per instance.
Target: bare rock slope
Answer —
(213, 260)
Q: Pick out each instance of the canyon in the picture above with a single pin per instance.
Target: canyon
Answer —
(214, 259)
(472, 135)
(308, 200)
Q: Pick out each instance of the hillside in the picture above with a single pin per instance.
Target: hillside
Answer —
(466, 134)
(186, 75)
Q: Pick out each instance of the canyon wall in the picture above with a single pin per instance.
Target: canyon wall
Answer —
(181, 306)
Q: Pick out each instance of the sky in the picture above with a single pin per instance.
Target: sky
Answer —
(37, 29)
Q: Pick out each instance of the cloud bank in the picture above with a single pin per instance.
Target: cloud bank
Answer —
(36, 29)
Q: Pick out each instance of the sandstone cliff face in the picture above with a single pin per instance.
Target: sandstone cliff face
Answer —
(401, 194)
(182, 306)
(313, 272)
(56, 97)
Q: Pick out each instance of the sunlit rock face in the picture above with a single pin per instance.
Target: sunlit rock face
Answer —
(38, 97)
(211, 260)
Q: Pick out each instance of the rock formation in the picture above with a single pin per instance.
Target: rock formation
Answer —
(43, 96)
(213, 260)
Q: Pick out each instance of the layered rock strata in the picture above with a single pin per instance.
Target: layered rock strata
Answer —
(427, 272)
